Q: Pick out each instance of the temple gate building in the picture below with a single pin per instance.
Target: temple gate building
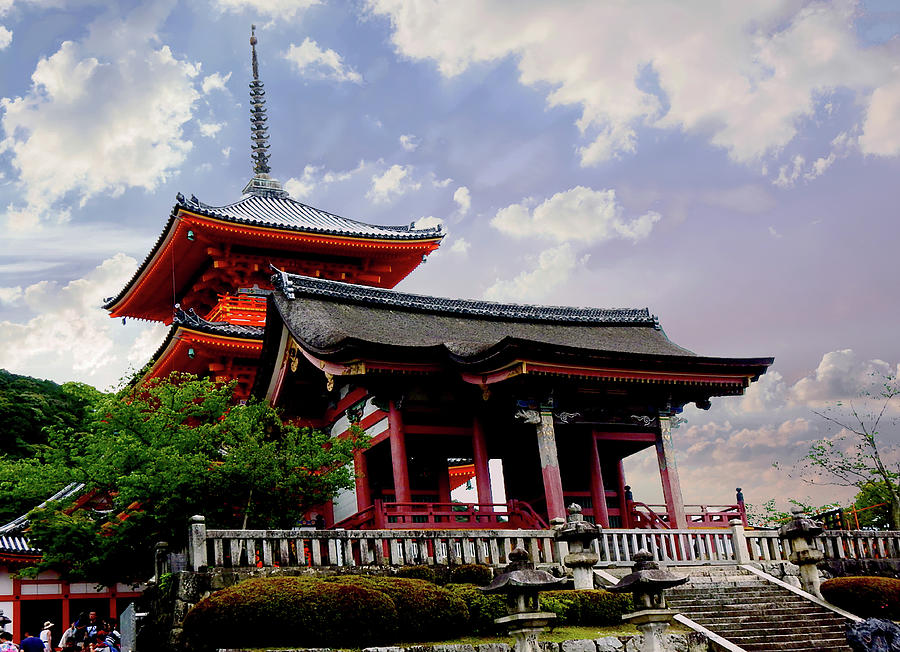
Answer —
(557, 396)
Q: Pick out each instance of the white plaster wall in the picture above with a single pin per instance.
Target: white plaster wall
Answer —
(345, 503)
(6, 584)
(343, 422)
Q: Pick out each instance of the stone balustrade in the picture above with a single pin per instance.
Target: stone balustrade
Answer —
(360, 548)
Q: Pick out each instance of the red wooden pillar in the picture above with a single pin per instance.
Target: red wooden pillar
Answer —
(363, 491)
(598, 491)
(17, 610)
(398, 455)
(624, 507)
(482, 471)
(113, 610)
(556, 504)
(443, 480)
(66, 614)
(668, 474)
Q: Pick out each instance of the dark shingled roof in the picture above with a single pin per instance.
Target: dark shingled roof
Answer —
(333, 318)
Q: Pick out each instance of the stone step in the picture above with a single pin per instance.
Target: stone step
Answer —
(757, 622)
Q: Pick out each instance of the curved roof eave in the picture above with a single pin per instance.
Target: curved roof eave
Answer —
(194, 206)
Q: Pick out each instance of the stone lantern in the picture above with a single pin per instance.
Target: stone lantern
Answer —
(521, 583)
(801, 532)
(646, 583)
(579, 534)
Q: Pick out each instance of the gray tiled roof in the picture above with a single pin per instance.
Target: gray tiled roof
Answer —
(293, 285)
(16, 543)
(287, 213)
(190, 319)
(18, 524)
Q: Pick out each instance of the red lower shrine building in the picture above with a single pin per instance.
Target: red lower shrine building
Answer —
(558, 396)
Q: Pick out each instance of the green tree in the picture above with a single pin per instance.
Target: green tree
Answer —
(859, 456)
(169, 449)
(29, 405)
(873, 505)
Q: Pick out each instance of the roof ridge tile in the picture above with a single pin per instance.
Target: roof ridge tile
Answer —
(295, 285)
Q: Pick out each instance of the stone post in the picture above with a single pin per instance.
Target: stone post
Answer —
(579, 534)
(800, 533)
(739, 541)
(197, 543)
(161, 559)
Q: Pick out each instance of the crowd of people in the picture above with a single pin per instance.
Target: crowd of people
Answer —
(86, 634)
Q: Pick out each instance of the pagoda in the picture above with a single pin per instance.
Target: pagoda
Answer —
(210, 270)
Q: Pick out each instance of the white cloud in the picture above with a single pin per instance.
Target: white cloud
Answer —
(394, 182)
(747, 76)
(226, 152)
(409, 142)
(10, 295)
(460, 246)
(463, 199)
(879, 130)
(554, 267)
(71, 336)
(215, 82)
(775, 234)
(210, 129)
(5, 37)
(273, 9)
(312, 61)
(578, 214)
(313, 176)
(840, 375)
(441, 183)
(428, 222)
(63, 140)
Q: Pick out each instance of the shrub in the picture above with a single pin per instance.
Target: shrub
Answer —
(291, 611)
(483, 609)
(867, 597)
(478, 574)
(595, 607)
(424, 611)
(418, 573)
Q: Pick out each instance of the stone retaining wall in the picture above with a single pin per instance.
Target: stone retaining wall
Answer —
(691, 642)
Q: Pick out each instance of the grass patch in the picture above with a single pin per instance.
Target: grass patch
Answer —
(558, 635)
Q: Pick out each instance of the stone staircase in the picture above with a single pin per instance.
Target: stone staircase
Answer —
(755, 614)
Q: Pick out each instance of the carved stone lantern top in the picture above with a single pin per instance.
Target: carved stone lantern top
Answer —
(576, 527)
(647, 582)
(647, 577)
(520, 576)
(800, 526)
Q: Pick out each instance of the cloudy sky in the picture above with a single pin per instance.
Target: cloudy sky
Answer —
(732, 165)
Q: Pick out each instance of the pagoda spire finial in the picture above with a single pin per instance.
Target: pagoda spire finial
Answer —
(261, 184)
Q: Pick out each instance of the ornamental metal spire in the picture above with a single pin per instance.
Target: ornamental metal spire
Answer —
(261, 184)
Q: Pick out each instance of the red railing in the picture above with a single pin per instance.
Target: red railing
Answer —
(444, 516)
(698, 516)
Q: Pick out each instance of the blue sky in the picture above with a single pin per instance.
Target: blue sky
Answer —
(733, 166)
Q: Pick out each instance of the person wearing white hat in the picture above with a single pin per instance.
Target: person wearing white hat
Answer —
(46, 636)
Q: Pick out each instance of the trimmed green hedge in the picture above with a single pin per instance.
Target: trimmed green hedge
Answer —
(595, 607)
(291, 611)
(419, 572)
(483, 609)
(867, 597)
(477, 574)
(424, 611)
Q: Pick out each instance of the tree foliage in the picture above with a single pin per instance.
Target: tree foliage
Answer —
(860, 455)
(169, 449)
(29, 405)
